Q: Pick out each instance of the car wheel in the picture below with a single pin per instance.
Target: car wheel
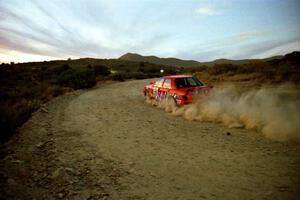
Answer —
(171, 100)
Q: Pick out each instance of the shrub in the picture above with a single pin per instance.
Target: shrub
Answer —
(141, 69)
(119, 76)
(61, 69)
(223, 68)
(152, 69)
(101, 70)
(142, 64)
(13, 116)
(154, 75)
(138, 75)
(77, 79)
(122, 76)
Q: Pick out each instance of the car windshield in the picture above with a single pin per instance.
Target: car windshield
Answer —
(187, 82)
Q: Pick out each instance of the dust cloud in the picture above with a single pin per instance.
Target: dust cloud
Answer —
(272, 111)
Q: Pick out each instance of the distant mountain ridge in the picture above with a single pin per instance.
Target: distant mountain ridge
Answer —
(162, 61)
(186, 63)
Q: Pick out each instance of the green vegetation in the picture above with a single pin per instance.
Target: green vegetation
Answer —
(77, 79)
(160, 61)
(24, 87)
(278, 70)
(187, 63)
(275, 69)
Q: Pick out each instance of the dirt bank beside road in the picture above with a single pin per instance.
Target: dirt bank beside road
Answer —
(107, 143)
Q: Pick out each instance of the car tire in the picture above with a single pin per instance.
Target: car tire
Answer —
(172, 100)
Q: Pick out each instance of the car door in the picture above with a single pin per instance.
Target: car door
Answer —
(164, 90)
(157, 88)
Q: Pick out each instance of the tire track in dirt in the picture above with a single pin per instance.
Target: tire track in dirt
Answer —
(107, 143)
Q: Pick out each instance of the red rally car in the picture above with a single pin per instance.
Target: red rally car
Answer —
(183, 89)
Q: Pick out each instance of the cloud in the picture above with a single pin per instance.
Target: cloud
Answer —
(61, 34)
(225, 47)
(98, 28)
(279, 49)
(207, 10)
(244, 45)
(51, 35)
(17, 56)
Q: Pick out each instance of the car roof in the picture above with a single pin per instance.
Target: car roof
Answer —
(177, 76)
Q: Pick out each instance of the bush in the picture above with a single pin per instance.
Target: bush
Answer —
(120, 76)
(153, 69)
(101, 70)
(61, 69)
(138, 75)
(223, 68)
(154, 75)
(77, 79)
(13, 116)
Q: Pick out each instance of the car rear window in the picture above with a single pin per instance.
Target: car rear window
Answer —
(167, 83)
(187, 82)
(159, 82)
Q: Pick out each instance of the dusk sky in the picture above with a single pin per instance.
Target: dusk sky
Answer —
(37, 30)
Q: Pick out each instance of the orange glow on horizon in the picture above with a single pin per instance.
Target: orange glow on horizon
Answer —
(20, 57)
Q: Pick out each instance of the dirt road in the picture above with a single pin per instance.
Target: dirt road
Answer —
(107, 143)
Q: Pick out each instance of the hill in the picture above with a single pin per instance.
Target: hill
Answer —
(187, 63)
(161, 61)
(275, 70)
(25, 87)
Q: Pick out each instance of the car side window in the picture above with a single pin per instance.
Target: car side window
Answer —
(197, 81)
(159, 82)
(167, 83)
(192, 82)
(180, 82)
(187, 82)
